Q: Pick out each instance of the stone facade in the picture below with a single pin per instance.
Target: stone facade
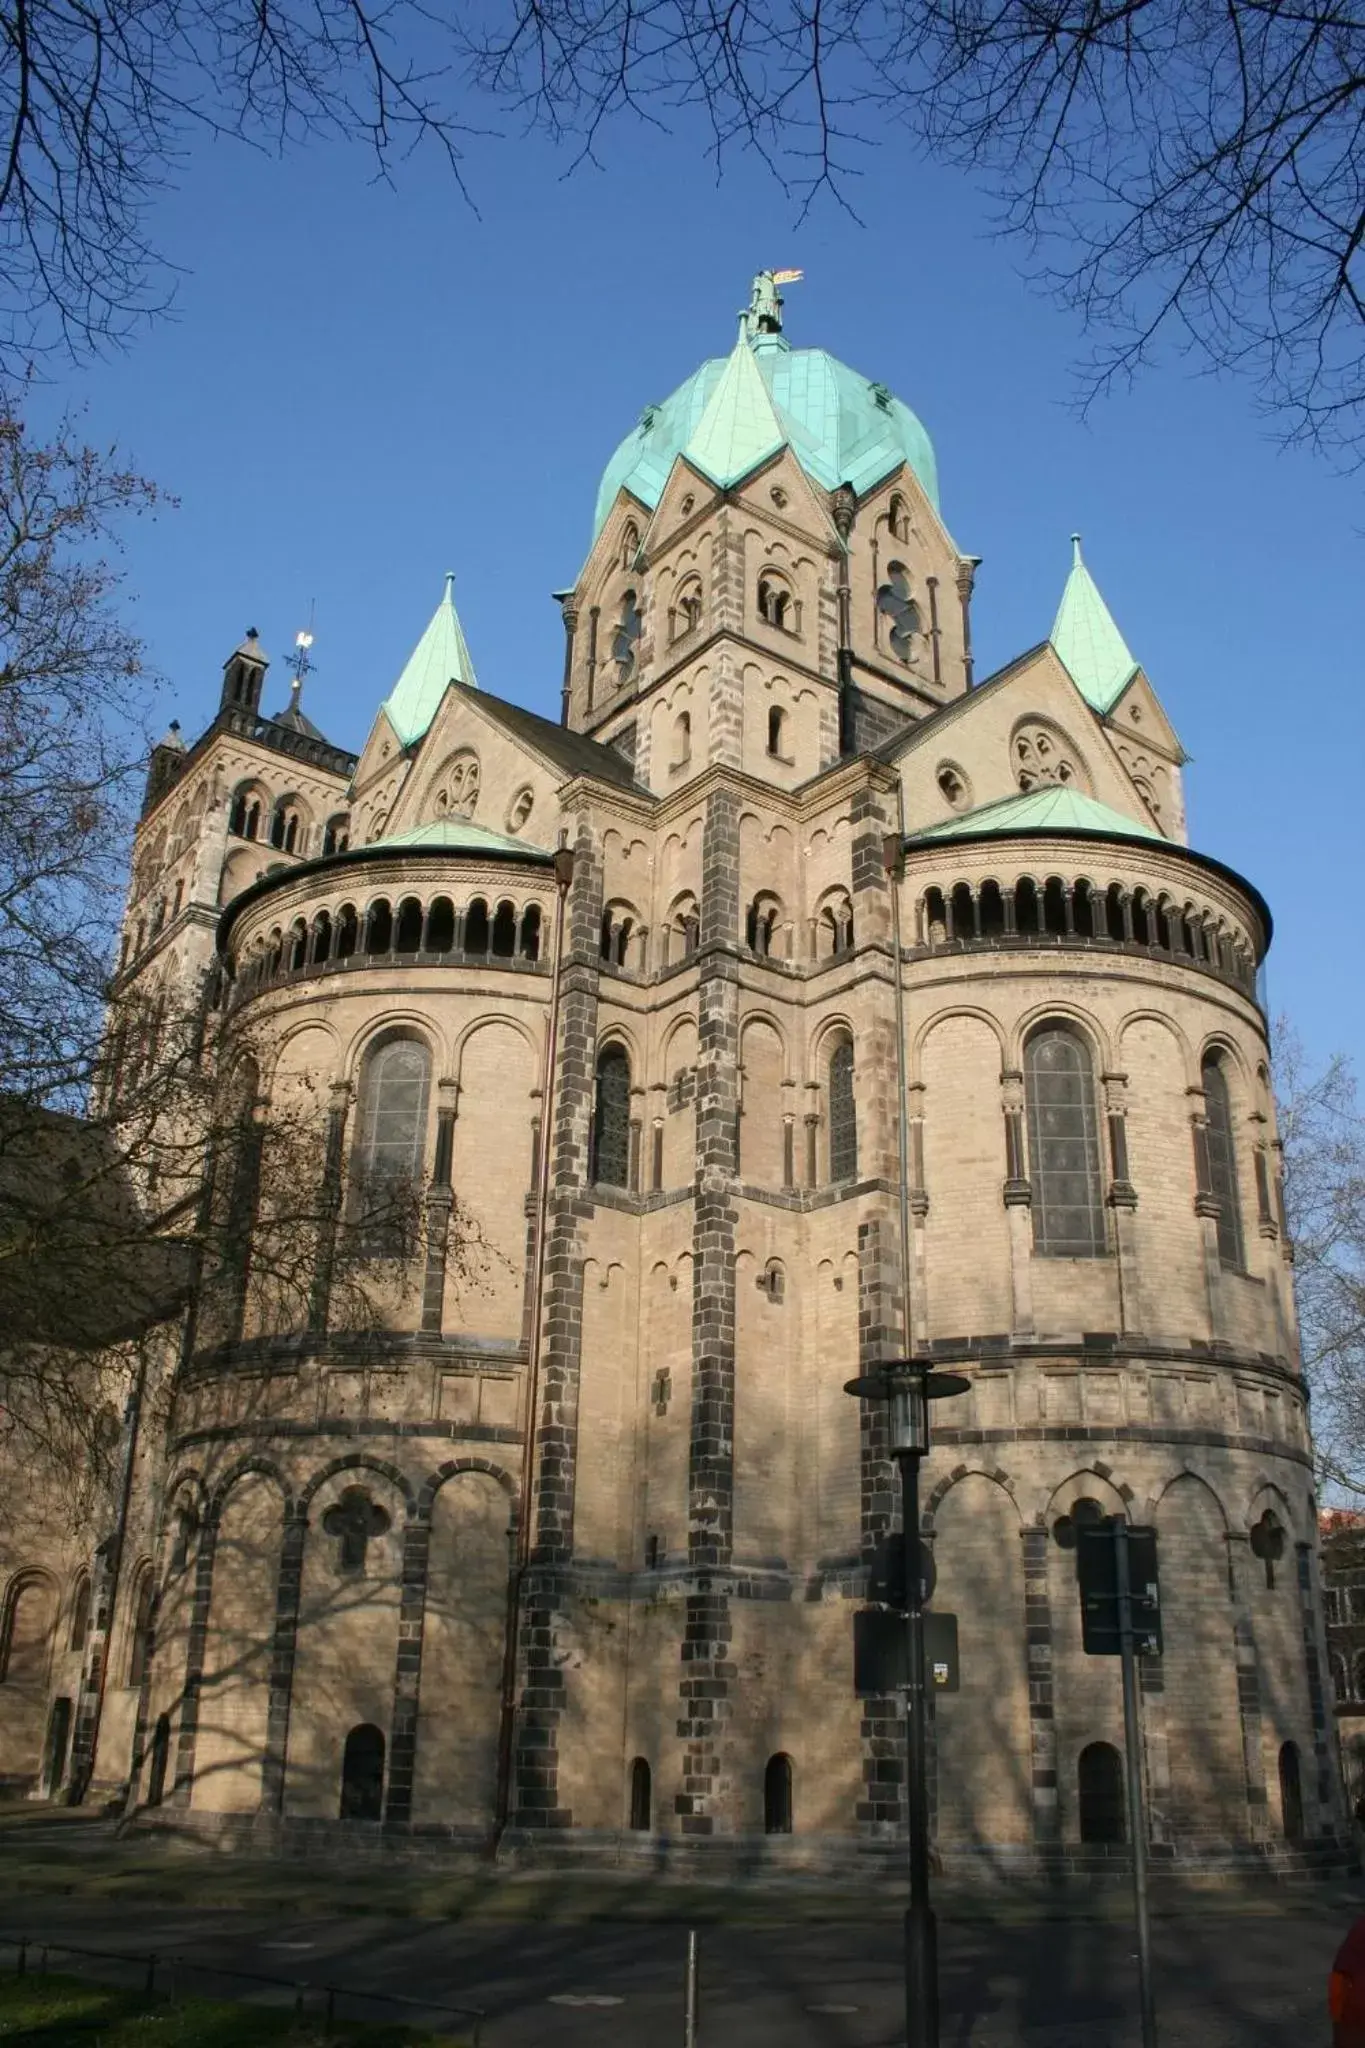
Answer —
(660, 1138)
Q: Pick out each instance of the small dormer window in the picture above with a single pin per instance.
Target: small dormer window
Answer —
(895, 603)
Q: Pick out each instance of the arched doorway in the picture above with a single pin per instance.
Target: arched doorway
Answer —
(362, 1774)
(777, 1795)
(161, 1753)
(1099, 1785)
(55, 1749)
(1291, 1793)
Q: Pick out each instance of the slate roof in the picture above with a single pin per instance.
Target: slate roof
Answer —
(574, 752)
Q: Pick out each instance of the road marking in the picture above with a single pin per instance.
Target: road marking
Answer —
(833, 2008)
(583, 1998)
(289, 1944)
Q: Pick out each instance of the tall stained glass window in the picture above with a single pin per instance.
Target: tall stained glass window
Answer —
(1222, 1161)
(611, 1118)
(1064, 1153)
(843, 1114)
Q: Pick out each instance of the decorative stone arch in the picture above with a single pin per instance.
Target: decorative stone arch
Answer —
(485, 1022)
(829, 1028)
(253, 1466)
(24, 1576)
(1154, 1500)
(915, 1077)
(1088, 1482)
(1062, 747)
(752, 1018)
(1184, 1044)
(1062, 1011)
(1220, 1044)
(939, 1493)
(377, 1031)
(357, 1461)
(289, 1034)
(451, 1469)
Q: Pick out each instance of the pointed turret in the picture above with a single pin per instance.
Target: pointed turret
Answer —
(740, 426)
(441, 657)
(243, 675)
(1088, 642)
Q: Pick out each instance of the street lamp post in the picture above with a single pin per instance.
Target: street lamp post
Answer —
(908, 1385)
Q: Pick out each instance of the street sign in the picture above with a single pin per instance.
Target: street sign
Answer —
(1097, 1572)
(881, 1652)
(886, 1572)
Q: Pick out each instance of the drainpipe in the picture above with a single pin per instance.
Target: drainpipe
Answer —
(564, 866)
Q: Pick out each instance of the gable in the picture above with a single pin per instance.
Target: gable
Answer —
(1027, 728)
(1137, 713)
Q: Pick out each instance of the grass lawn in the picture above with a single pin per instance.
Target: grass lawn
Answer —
(49, 2012)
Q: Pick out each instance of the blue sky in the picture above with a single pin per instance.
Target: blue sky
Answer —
(364, 386)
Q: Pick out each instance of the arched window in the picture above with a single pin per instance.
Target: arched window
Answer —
(362, 1774)
(505, 931)
(161, 1756)
(140, 1639)
(529, 944)
(777, 1795)
(611, 1118)
(80, 1614)
(28, 1629)
(1099, 1786)
(760, 925)
(629, 627)
(476, 927)
(843, 1113)
(1291, 1793)
(897, 518)
(353, 1521)
(439, 935)
(379, 927)
(687, 607)
(776, 605)
(682, 739)
(1064, 1155)
(348, 931)
(1222, 1160)
(392, 1134)
(336, 834)
(630, 544)
(896, 604)
(640, 1796)
(298, 944)
(320, 940)
(777, 730)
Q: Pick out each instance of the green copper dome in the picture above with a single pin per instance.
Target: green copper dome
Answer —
(841, 426)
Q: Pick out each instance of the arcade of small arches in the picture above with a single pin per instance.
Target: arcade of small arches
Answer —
(384, 932)
(617, 1137)
(283, 822)
(1080, 912)
(768, 931)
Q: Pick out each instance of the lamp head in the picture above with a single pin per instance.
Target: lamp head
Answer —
(907, 1385)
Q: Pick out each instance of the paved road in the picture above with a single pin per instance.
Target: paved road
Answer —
(1250, 1981)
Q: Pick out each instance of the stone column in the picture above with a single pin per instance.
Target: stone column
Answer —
(1018, 1198)
(708, 1675)
(283, 1645)
(535, 1797)
(1207, 1210)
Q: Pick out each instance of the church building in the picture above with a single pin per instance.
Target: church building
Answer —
(798, 1000)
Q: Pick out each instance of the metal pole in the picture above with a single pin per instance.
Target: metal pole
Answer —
(1137, 1819)
(921, 1932)
(690, 1989)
